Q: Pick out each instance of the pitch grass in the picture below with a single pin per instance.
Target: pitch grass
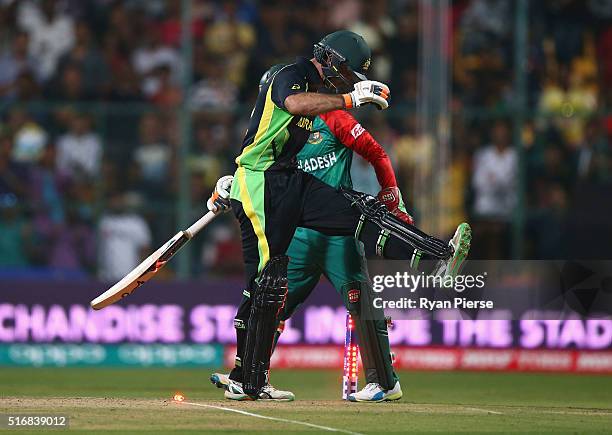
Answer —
(132, 400)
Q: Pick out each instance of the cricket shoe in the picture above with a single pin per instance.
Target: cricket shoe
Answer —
(460, 245)
(268, 392)
(234, 391)
(220, 380)
(373, 392)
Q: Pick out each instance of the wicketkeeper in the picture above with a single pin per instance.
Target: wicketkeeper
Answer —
(271, 197)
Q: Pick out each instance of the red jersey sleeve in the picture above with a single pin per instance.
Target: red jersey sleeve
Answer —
(348, 131)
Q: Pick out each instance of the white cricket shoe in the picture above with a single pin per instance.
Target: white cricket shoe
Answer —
(234, 391)
(373, 392)
(268, 392)
(220, 380)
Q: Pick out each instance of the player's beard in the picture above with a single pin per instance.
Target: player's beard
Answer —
(341, 79)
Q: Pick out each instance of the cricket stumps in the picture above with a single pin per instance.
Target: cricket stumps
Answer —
(350, 376)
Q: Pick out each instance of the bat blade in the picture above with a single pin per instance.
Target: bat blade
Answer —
(141, 273)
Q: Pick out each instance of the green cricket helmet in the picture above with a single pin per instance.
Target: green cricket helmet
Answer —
(270, 73)
(345, 58)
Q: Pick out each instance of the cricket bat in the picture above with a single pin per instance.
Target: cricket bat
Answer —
(151, 265)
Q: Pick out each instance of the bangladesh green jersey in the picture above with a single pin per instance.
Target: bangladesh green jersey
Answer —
(328, 154)
(325, 157)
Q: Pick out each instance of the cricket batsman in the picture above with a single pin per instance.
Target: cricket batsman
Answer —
(271, 197)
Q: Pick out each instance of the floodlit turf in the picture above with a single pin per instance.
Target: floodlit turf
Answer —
(130, 400)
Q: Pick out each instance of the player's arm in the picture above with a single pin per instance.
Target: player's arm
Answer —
(289, 92)
(352, 135)
(311, 104)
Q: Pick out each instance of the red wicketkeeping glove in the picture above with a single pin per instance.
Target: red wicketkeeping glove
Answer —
(392, 199)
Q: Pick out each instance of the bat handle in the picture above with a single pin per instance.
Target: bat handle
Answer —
(199, 224)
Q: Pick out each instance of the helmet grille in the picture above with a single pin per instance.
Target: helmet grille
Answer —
(320, 53)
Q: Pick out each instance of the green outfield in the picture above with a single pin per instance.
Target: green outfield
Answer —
(131, 400)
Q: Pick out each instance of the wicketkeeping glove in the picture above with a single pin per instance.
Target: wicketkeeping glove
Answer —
(392, 199)
(368, 91)
(219, 200)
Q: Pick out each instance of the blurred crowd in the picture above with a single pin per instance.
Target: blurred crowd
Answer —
(92, 93)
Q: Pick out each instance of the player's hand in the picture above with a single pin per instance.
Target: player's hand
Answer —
(219, 200)
(392, 199)
(368, 91)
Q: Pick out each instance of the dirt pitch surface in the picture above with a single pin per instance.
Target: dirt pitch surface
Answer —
(433, 402)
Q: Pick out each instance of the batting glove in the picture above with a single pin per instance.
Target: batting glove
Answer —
(392, 199)
(368, 91)
(219, 200)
